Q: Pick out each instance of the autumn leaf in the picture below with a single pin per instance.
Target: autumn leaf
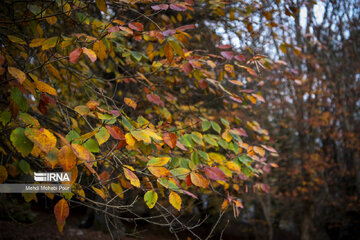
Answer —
(199, 180)
(170, 139)
(130, 103)
(214, 173)
(42, 138)
(49, 43)
(159, 161)
(227, 54)
(44, 87)
(168, 51)
(100, 50)
(90, 53)
(153, 98)
(15, 39)
(259, 151)
(102, 136)
(61, 211)
(160, 7)
(66, 157)
(74, 55)
(175, 200)
(17, 74)
(178, 7)
(136, 26)
(115, 132)
(150, 198)
(101, 4)
(129, 175)
(3, 174)
(159, 171)
(100, 192)
(81, 152)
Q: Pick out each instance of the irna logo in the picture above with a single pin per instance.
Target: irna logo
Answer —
(52, 177)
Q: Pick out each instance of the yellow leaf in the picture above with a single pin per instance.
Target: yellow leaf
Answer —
(161, 161)
(17, 73)
(233, 166)
(16, 39)
(87, 135)
(130, 103)
(42, 138)
(101, 4)
(61, 211)
(37, 42)
(159, 171)
(49, 43)
(81, 152)
(99, 192)
(129, 140)
(90, 53)
(259, 151)
(100, 50)
(134, 180)
(175, 200)
(117, 189)
(44, 87)
(226, 136)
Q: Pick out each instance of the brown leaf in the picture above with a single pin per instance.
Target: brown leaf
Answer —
(155, 99)
(170, 139)
(115, 132)
(214, 173)
(61, 211)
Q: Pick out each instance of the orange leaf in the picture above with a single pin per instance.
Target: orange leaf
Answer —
(199, 180)
(100, 50)
(136, 26)
(61, 211)
(159, 171)
(259, 151)
(169, 54)
(81, 152)
(170, 139)
(66, 157)
(130, 103)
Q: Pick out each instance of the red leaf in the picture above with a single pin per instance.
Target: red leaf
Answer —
(178, 7)
(115, 132)
(186, 27)
(74, 55)
(160, 7)
(202, 84)
(188, 180)
(224, 46)
(155, 99)
(240, 58)
(214, 173)
(187, 68)
(227, 54)
(170, 139)
(136, 26)
(169, 32)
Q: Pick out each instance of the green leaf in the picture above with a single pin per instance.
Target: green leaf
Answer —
(102, 135)
(22, 144)
(225, 122)
(195, 158)
(5, 117)
(168, 184)
(150, 198)
(126, 124)
(216, 127)
(180, 172)
(210, 139)
(71, 136)
(205, 125)
(24, 166)
(91, 145)
(197, 137)
(19, 99)
(36, 10)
